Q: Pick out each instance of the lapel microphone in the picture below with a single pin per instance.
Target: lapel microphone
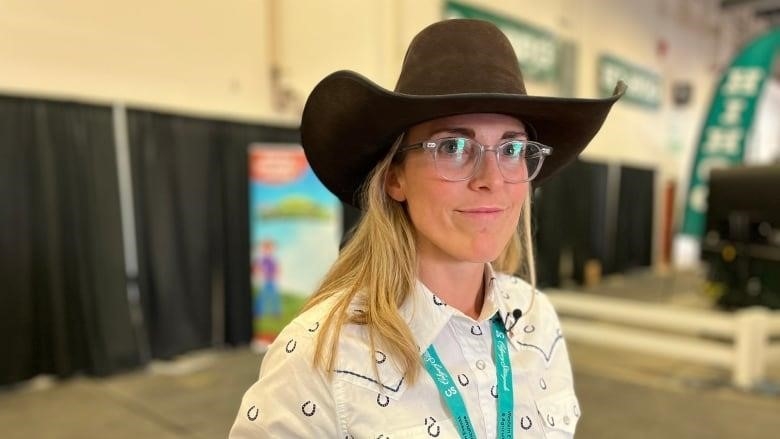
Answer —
(516, 313)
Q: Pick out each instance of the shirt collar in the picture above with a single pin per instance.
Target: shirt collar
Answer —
(511, 294)
(427, 315)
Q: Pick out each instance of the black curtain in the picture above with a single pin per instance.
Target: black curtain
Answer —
(63, 302)
(569, 215)
(63, 288)
(598, 238)
(349, 220)
(634, 235)
(190, 181)
(176, 188)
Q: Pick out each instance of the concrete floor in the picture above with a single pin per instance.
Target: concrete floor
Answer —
(627, 395)
(623, 394)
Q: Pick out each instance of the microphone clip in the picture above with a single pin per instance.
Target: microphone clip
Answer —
(516, 315)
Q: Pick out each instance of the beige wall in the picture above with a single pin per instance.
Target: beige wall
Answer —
(197, 56)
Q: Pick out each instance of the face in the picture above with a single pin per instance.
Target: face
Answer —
(460, 221)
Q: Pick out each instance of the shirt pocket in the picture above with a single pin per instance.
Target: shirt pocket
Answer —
(404, 414)
(559, 413)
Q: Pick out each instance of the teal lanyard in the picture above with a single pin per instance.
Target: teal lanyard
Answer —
(454, 401)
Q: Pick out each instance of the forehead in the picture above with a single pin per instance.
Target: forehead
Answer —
(474, 122)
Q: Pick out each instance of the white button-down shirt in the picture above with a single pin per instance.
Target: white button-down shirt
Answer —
(293, 400)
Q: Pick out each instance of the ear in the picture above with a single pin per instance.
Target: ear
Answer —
(394, 184)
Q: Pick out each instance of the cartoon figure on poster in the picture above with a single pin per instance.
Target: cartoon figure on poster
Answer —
(295, 233)
(267, 302)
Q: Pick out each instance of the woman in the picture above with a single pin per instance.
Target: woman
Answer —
(415, 331)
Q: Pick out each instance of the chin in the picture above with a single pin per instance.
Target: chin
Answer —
(484, 255)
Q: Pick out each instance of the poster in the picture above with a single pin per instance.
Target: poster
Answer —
(295, 231)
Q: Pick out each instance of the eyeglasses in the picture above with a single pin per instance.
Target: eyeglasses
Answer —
(458, 158)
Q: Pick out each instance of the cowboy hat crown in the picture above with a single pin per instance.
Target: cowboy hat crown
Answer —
(451, 57)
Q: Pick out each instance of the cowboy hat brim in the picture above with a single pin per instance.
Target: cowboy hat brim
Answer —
(349, 124)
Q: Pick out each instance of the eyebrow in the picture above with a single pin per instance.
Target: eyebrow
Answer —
(468, 132)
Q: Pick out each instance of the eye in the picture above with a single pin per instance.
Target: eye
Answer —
(454, 149)
(513, 149)
(452, 146)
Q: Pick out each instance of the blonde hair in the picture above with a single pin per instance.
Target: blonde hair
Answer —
(378, 268)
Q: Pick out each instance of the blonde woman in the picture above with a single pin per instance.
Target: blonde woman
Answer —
(420, 328)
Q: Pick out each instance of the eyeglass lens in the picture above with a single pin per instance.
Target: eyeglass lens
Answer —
(457, 158)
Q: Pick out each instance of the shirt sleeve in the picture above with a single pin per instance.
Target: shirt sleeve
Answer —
(290, 399)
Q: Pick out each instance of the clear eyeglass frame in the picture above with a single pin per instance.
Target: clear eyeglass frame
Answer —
(537, 152)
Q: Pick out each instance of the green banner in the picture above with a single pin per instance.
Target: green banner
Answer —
(723, 137)
(645, 89)
(537, 49)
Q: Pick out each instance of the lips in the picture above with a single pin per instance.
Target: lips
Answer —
(481, 210)
(481, 214)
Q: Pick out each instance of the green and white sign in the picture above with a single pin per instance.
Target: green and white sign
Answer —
(723, 137)
(644, 85)
(537, 49)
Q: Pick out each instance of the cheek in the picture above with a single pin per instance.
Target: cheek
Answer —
(430, 201)
(520, 192)
(430, 208)
(518, 195)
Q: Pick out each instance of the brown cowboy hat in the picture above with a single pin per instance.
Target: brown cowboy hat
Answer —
(451, 67)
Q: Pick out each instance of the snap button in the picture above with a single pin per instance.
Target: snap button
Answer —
(480, 365)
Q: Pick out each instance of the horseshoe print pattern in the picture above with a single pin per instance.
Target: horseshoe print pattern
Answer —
(290, 346)
(253, 413)
(382, 400)
(476, 330)
(308, 408)
(433, 429)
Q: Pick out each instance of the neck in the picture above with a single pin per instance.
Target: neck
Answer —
(459, 284)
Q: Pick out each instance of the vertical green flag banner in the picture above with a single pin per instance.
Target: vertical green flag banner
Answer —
(724, 135)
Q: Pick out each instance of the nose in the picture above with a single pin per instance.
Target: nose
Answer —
(487, 175)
